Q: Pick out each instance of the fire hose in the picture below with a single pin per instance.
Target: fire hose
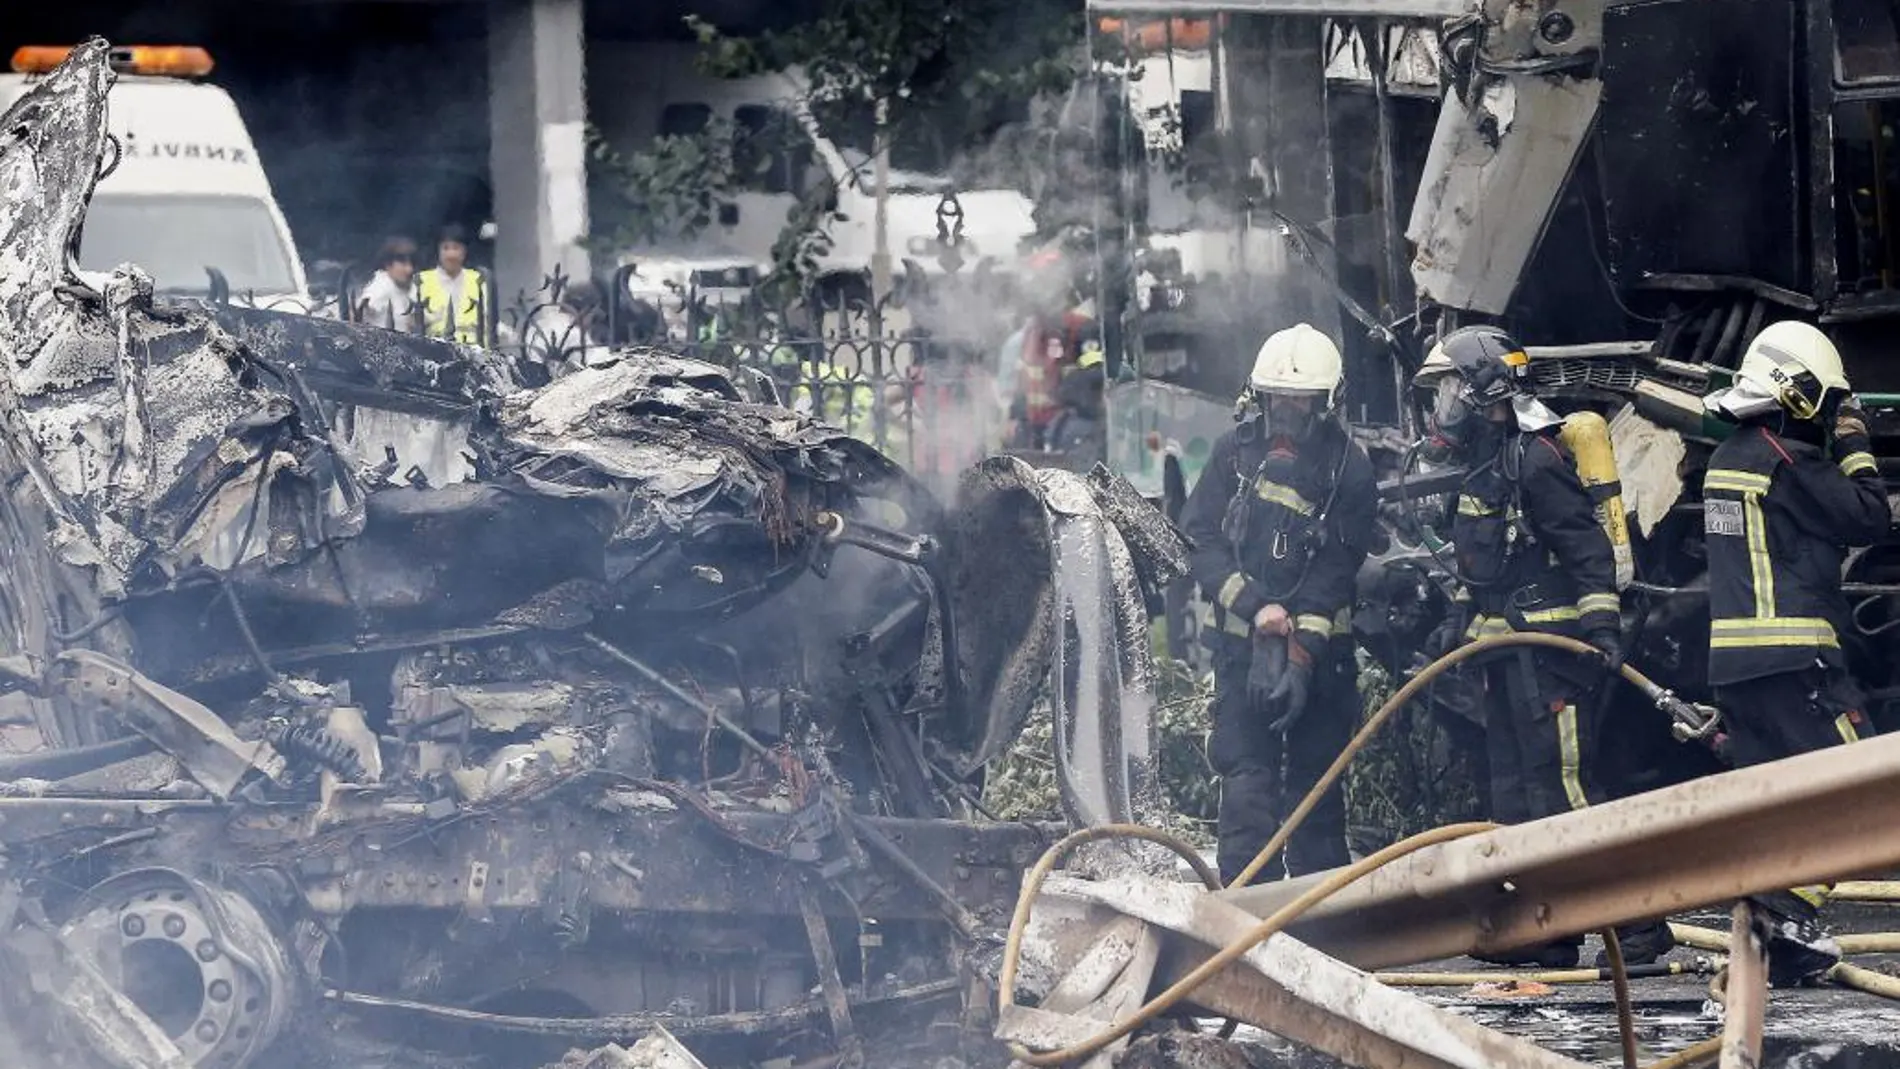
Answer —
(1854, 976)
(1681, 712)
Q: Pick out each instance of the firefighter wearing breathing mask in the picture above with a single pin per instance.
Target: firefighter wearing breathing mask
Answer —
(1786, 494)
(1530, 556)
(1280, 520)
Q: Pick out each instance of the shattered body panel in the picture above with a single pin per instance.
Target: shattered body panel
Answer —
(396, 715)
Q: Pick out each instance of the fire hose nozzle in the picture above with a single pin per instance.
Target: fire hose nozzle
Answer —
(1690, 721)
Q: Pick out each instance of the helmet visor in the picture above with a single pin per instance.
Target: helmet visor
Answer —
(1451, 406)
(1290, 412)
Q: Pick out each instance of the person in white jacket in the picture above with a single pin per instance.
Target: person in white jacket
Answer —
(389, 300)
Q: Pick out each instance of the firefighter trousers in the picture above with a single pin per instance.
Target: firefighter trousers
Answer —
(1537, 730)
(1780, 716)
(1792, 713)
(1264, 774)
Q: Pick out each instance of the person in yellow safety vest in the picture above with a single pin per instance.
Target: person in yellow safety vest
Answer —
(454, 304)
(711, 329)
(899, 411)
(845, 400)
(1079, 428)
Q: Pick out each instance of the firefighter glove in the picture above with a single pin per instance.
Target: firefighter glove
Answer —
(1850, 420)
(1268, 664)
(1610, 644)
(1295, 686)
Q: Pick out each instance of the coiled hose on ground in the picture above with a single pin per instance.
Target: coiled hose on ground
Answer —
(1175, 995)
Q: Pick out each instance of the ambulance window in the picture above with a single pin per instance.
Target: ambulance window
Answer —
(684, 120)
(176, 236)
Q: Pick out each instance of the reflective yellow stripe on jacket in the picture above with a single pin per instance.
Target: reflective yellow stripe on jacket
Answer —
(1855, 463)
(1285, 496)
(1316, 624)
(1764, 629)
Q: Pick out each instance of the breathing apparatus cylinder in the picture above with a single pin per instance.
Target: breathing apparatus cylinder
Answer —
(1587, 435)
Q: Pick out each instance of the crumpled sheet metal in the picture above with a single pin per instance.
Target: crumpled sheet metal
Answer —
(403, 371)
(164, 438)
(656, 1050)
(210, 419)
(49, 164)
(671, 427)
(1281, 985)
(1074, 627)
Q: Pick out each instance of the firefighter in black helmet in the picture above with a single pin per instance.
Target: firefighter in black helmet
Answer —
(1784, 497)
(1530, 556)
(1280, 521)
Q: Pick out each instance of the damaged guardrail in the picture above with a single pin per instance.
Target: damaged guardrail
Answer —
(1808, 819)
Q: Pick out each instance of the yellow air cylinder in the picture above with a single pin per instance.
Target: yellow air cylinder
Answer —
(1587, 435)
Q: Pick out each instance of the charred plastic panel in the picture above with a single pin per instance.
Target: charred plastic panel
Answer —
(1700, 144)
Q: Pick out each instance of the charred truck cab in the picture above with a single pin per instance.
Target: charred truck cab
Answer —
(1634, 190)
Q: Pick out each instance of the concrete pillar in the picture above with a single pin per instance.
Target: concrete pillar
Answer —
(537, 109)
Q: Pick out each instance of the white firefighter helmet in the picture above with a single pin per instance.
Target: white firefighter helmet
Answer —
(1789, 363)
(1298, 360)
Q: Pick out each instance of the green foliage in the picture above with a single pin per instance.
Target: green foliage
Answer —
(947, 63)
(674, 186)
(1410, 778)
(1183, 720)
(1022, 786)
(796, 250)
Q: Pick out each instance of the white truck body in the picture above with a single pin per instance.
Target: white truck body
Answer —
(640, 91)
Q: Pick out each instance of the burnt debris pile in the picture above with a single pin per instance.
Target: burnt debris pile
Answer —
(368, 708)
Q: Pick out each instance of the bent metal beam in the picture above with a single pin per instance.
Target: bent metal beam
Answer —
(1808, 819)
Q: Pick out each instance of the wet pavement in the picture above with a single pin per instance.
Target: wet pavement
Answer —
(1809, 1028)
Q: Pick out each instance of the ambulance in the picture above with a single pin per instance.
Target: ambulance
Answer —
(188, 201)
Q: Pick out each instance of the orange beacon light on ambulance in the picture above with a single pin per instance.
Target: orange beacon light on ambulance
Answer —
(189, 195)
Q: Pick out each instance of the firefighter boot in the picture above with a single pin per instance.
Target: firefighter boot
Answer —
(1800, 951)
(1559, 955)
(1642, 944)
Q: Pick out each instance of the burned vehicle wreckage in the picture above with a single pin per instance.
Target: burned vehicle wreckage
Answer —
(363, 688)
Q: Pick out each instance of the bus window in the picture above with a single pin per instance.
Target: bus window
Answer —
(770, 152)
(684, 120)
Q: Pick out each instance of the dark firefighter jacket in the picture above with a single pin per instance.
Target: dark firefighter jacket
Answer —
(1778, 516)
(1529, 545)
(1270, 526)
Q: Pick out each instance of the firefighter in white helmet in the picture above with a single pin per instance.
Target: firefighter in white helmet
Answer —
(1281, 520)
(1784, 498)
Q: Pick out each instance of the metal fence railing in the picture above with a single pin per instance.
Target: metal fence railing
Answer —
(916, 377)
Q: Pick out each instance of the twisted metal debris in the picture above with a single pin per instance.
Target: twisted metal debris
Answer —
(391, 712)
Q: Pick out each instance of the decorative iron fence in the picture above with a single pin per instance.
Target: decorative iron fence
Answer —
(921, 375)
